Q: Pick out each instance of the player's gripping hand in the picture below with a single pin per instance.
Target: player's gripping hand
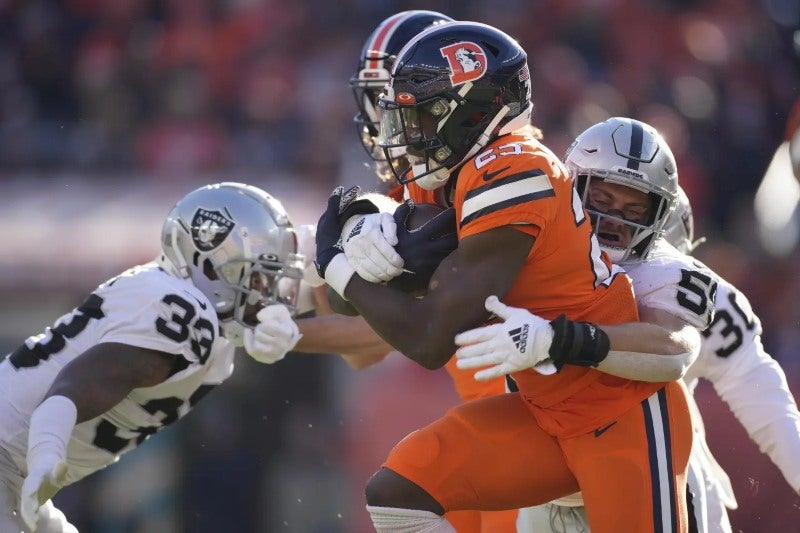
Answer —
(274, 336)
(368, 242)
(521, 341)
(46, 475)
(332, 264)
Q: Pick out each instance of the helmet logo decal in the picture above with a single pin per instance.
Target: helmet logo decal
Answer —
(209, 229)
(467, 62)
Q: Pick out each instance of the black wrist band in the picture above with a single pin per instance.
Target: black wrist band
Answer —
(577, 343)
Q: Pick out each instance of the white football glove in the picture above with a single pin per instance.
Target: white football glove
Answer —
(368, 242)
(45, 478)
(307, 246)
(521, 341)
(274, 336)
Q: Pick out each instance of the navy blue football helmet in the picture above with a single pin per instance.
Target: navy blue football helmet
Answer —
(375, 64)
(454, 89)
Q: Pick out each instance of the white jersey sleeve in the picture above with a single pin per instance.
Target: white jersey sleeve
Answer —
(753, 385)
(144, 307)
(675, 283)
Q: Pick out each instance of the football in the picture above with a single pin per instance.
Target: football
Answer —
(421, 214)
(426, 234)
(421, 247)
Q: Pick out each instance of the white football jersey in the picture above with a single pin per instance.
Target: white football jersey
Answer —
(674, 282)
(753, 384)
(145, 307)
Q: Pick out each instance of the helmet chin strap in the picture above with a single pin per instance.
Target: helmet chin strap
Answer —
(486, 136)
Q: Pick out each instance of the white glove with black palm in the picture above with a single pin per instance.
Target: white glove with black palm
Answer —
(368, 242)
(274, 336)
(521, 341)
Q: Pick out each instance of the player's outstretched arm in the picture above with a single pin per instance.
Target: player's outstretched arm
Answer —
(103, 375)
(89, 385)
(350, 337)
(660, 347)
(637, 350)
(423, 328)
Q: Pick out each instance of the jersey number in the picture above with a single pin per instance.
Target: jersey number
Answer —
(25, 357)
(730, 328)
(182, 323)
(106, 438)
(602, 273)
(699, 294)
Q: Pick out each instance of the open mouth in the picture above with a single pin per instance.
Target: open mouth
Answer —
(613, 239)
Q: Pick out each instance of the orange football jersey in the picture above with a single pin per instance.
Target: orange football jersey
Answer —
(465, 384)
(518, 181)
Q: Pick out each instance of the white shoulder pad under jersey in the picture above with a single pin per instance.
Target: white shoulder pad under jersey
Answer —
(674, 282)
(733, 359)
(144, 307)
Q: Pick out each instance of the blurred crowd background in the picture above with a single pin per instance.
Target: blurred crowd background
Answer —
(111, 110)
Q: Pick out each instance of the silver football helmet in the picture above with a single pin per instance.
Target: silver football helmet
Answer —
(237, 245)
(633, 154)
(679, 229)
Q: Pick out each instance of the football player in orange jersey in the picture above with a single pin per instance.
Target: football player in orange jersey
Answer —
(351, 338)
(372, 74)
(458, 98)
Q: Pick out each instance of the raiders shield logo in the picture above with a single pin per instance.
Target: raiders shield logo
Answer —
(467, 62)
(209, 229)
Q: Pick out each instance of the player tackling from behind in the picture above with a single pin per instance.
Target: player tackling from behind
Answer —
(666, 278)
(145, 347)
(754, 386)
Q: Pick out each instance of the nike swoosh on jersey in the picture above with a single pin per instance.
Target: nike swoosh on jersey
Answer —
(203, 305)
(600, 431)
(491, 175)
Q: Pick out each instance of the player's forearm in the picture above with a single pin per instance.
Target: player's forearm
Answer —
(106, 373)
(350, 337)
(648, 352)
(406, 323)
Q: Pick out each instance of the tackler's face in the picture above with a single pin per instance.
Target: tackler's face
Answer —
(621, 211)
(267, 288)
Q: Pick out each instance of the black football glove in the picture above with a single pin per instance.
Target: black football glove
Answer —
(422, 249)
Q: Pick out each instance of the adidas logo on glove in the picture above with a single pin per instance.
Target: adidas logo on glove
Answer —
(520, 337)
